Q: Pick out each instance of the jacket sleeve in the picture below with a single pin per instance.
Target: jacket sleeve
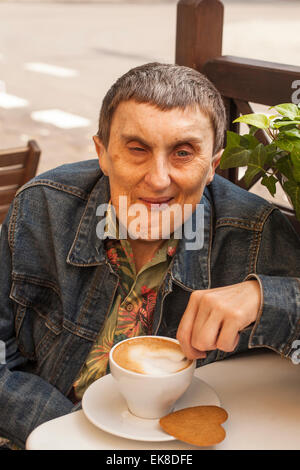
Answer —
(278, 272)
(26, 400)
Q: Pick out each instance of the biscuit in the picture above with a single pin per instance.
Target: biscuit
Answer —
(198, 425)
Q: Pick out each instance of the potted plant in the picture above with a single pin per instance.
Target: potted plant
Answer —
(276, 162)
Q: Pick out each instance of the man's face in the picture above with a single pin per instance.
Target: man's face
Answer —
(161, 160)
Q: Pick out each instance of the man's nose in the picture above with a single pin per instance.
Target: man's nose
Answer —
(158, 175)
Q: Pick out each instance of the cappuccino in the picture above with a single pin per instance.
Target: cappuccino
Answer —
(150, 356)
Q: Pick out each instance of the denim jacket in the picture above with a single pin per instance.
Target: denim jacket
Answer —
(56, 284)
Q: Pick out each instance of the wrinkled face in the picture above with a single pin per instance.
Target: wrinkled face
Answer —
(161, 161)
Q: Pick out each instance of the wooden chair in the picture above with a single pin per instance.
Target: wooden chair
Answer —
(240, 80)
(17, 166)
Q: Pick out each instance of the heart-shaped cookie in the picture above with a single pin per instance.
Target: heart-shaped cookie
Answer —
(198, 425)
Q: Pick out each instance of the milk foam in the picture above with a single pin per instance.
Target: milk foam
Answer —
(160, 361)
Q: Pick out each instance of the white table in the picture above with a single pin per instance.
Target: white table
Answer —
(259, 390)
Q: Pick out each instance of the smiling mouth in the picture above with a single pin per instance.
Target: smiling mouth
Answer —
(156, 203)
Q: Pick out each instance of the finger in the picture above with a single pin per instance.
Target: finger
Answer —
(206, 331)
(193, 353)
(184, 332)
(228, 337)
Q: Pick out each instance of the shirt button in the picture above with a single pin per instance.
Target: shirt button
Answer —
(129, 307)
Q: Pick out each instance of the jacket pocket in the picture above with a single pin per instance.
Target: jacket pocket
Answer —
(38, 318)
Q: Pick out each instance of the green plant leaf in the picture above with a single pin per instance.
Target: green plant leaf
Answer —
(282, 123)
(249, 141)
(289, 110)
(296, 143)
(233, 157)
(270, 183)
(282, 154)
(284, 143)
(274, 116)
(256, 163)
(273, 156)
(293, 132)
(271, 150)
(295, 157)
(258, 120)
(272, 147)
(293, 190)
(232, 139)
(259, 155)
(250, 173)
(284, 165)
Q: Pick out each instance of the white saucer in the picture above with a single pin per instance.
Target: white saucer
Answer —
(105, 407)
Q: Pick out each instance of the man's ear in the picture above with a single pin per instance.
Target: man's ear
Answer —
(101, 152)
(214, 165)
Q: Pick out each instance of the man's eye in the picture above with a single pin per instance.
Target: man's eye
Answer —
(182, 153)
(137, 149)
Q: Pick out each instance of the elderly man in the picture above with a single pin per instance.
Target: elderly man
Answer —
(71, 286)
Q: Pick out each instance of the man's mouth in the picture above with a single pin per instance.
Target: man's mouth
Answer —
(157, 202)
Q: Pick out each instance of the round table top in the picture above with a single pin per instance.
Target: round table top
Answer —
(258, 389)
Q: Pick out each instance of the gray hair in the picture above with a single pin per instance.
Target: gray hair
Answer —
(166, 86)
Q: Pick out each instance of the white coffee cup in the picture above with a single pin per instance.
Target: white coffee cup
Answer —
(147, 395)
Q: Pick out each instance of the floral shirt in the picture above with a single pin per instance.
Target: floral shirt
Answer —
(131, 313)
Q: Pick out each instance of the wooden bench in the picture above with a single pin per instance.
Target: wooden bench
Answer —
(240, 80)
(17, 166)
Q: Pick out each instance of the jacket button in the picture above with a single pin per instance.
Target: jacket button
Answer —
(129, 307)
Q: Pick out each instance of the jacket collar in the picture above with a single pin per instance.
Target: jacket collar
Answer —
(190, 268)
(88, 247)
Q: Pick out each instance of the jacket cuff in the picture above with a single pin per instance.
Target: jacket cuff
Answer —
(278, 321)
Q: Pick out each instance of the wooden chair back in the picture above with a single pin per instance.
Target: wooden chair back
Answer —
(17, 166)
(240, 80)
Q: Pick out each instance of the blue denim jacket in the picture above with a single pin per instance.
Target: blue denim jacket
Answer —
(56, 284)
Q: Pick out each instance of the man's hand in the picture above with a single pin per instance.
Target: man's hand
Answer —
(214, 317)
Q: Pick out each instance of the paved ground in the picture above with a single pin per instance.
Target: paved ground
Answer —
(94, 43)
